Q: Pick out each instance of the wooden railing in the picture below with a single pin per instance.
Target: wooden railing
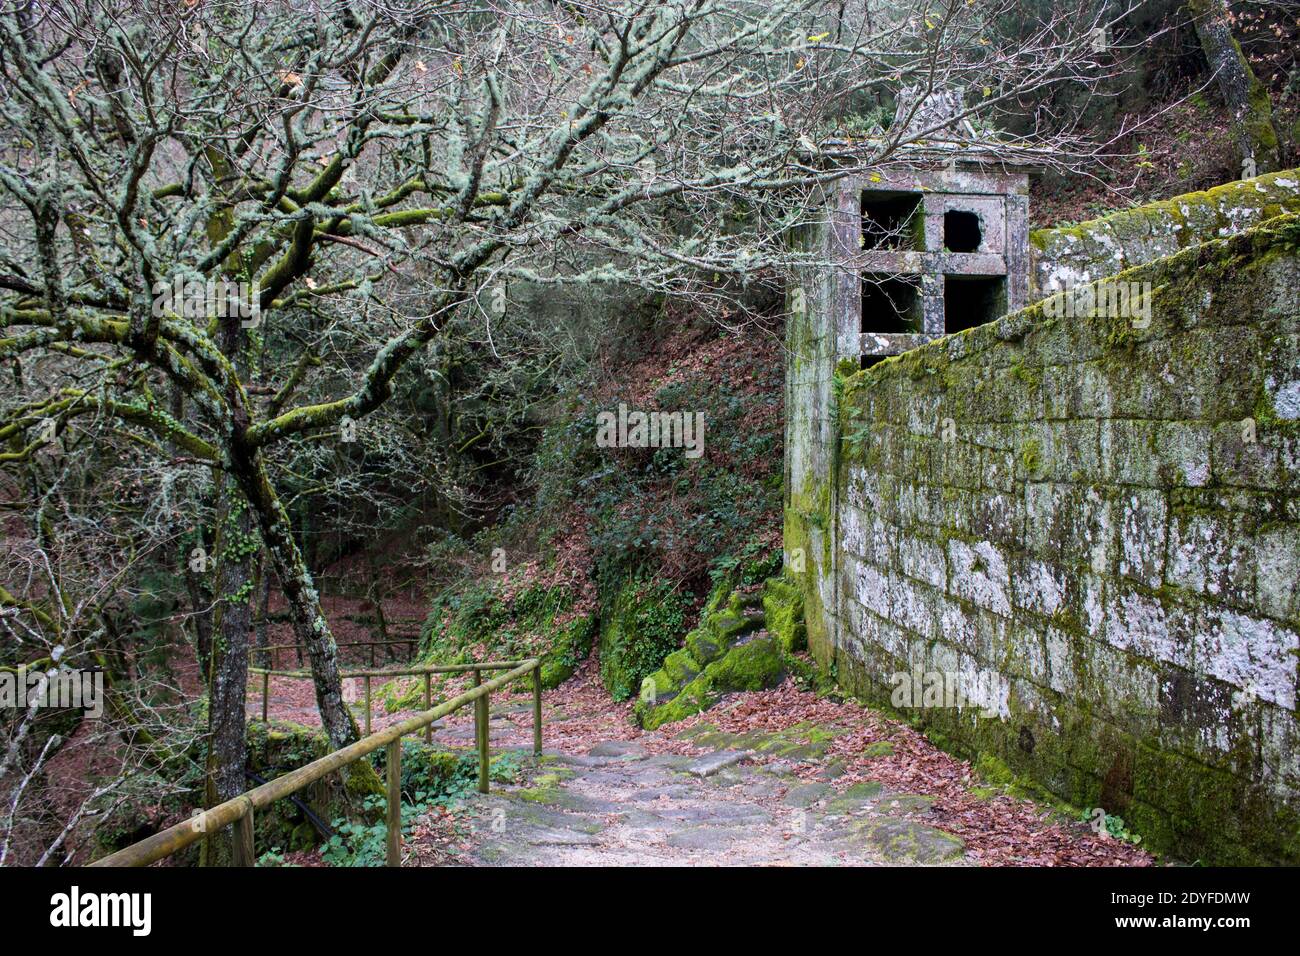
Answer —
(414, 670)
(239, 811)
(412, 642)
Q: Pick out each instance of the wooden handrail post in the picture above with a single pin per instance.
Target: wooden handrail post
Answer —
(481, 738)
(266, 692)
(244, 839)
(372, 653)
(367, 680)
(395, 803)
(428, 703)
(537, 711)
(215, 819)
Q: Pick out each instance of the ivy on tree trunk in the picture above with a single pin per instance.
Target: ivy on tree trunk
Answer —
(1246, 97)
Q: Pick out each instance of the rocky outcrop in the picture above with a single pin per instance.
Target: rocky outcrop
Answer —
(740, 645)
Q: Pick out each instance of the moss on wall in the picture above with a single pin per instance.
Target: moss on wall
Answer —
(783, 613)
(811, 395)
(1065, 256)
(1100, 513)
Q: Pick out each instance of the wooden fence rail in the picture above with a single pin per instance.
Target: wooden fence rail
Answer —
(427, 671)
(412, 642)
(414, 670)
(239, 811)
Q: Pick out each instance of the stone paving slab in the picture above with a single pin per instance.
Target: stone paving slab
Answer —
(710, 764)
(619, 805)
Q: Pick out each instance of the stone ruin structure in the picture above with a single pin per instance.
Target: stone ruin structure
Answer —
(1090, 524)
(926, 252)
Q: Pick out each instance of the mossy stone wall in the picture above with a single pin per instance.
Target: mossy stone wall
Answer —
(1064, 257)
(1108, 517)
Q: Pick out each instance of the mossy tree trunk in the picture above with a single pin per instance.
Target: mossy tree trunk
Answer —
(237, 545)
(200, 615)
(1246, 97)
(263, 609)
(228, 667)
(310, 627)
(375, 594)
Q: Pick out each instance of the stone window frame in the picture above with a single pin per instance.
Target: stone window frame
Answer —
(941, 190)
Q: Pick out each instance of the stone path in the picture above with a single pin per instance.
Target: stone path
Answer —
(775, 777)
(738, 803)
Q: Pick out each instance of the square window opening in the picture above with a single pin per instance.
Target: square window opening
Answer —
(892, 221)
(969, 301)
(961, 231)
(890, 304)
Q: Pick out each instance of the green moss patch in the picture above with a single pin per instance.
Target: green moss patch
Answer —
(783, 611)
(469, 623)
(732, 650)
(644, 625)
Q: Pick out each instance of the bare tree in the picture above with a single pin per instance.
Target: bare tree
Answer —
(81, 532)
(361, 174)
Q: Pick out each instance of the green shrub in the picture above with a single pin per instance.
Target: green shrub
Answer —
(646, 623)
(475, 615)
